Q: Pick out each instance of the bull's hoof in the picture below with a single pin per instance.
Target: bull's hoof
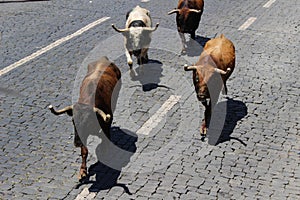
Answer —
(203, 138)
(82, 176)
(145, 60)
(203, 132)
(129, 64)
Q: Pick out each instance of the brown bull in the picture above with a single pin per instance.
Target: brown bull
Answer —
(188, 16)
(210, 73)
(94, 109)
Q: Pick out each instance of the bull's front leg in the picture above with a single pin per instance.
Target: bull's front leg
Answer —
(144, 56)
(129, 57)
(193, 35)
(206, 120)
(83, 168)
(183, 41)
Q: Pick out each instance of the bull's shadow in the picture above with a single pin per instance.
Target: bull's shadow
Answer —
(195, 47)
(111, 159)
(234, 111)
(148, 75)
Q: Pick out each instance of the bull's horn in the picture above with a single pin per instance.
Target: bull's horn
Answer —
(195, 11)
(105, 117)
(151, 29)
(222, 71)
(173, 11)
(189, 68)
(68, 110)
(119, 30)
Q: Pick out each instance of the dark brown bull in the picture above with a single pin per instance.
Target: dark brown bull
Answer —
(210, 73)
(188, 16)
(94, 107)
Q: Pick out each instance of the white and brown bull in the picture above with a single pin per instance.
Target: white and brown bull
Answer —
(137, 34)
(210, 73)
(94, 109)
(188, 16)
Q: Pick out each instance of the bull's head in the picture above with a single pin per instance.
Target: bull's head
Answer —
(185, 18)
(85, 120)
(137, 37)
(207, 80)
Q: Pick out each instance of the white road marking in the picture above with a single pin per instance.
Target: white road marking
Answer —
(51, 46)
(86, 194)
(151, 123)
(155, 119)
(247, 23)
(269, 3)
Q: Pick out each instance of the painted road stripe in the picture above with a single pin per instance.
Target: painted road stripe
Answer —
(151, 123)
(86, 194)
(155, 119)
(51, 46)
(247, 23)
(269, 3)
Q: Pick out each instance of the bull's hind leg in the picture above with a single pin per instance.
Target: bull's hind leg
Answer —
(224, 91)
(83, 168)
(129, 58)
(104, 150)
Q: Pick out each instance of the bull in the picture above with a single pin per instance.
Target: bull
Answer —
(137, 34)
(210, 73)
(97, 98)
(188, 16)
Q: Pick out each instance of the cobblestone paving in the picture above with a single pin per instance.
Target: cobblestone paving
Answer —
(256, 157)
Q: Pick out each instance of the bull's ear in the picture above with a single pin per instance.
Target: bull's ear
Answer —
(189, 68)
(175, 10)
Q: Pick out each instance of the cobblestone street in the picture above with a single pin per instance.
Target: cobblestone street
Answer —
(157, 154)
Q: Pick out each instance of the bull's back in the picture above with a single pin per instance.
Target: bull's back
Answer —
(98, 86)
(222, 52)
(107, 87)
(141, 14)
(192, 4)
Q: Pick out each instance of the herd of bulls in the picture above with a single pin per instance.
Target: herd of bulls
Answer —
(99, 88)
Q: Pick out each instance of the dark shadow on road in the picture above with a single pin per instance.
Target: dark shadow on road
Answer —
(21, 1)
(148, 75)
(235, 111)
(195, 47)
(110, 163)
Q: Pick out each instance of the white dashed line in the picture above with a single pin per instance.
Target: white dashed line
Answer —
(151, 123)
(269, 3)
(51, 46)
(155, 119)
(86, 194)
(247, 23)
